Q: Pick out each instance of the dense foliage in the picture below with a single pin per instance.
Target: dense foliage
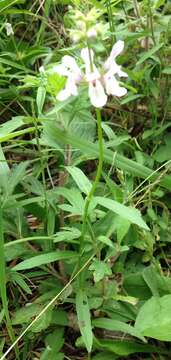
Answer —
(85, 225)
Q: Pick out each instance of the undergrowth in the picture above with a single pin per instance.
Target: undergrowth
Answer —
(85, 179)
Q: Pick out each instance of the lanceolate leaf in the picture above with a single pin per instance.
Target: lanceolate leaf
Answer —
(43, 259)
(52, 132)
(115, 325)
(84, 319)
(129, 213)
(80, 178)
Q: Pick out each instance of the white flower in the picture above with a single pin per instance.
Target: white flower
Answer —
(42, 69)
(96, 91)
(70, 69)
(97, 95)
(100, 84)
(9, 29)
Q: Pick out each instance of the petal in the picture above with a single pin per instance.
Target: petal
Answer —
(61, 70)
(97, 95)
(113, 88)
(116, 50)
(112, 68)
(63, 95)
(88, 57)
(86, 54)
(70, 89)
(120, 91)
(90, 75)
(70, 63)
(42, 69)
(121, 73)
(71, 86)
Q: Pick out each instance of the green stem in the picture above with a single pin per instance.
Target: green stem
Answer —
(110, 17)
(48, 246)
(3, 282)
(97, 178)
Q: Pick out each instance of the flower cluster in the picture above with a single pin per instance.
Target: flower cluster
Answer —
(100, 83)
(85, 26)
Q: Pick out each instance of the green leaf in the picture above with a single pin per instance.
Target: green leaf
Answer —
(4, 169)
(26, 314)
(59, 317)
(149, 53)
(43, 322)
(84, 319)
(105, 240)
(129, 213)
(105, 356)
(154, 318)
(131, 98)
(158, 3)
(135, 285)
(4, 4)
(67, 234)
(80, 178)
(16, 176)
(54, 342)
(163, 153)
(55, 83)
(40, 99)
(19, 279)
(124, 347)
(122, 228)
(150, 277)
(115, 325)
(55, 339)
(100, 270)
(54, 134)
(75, 198)
(43, 259)
(167, 70)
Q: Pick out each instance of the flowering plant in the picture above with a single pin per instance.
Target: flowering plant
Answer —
(100, 83)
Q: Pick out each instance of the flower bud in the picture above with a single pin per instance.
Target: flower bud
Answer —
(91, 33)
